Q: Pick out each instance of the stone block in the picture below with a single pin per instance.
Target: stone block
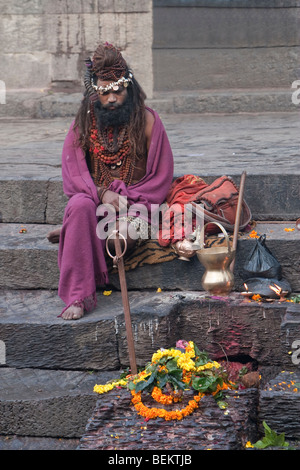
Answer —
(58, 104)
(234, 101)
(290, 338)
(33, 70)
(37, 443)
(273, 197)
(198, 69)
(56, 202)
(226, 328)
(22, 197)
(225, 4)
(22, 34)
(38, 258)
(46, 403)
(127, 6)
(76, 33)
(36, 337)
(222, 28)
(64, 7)
(208, 427)
(63, 67)
(235, 330)
(279, 404)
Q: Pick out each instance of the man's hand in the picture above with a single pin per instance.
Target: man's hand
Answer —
(119, 202)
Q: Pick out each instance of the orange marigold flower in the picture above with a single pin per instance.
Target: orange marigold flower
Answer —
(253, 234)
(152, 413)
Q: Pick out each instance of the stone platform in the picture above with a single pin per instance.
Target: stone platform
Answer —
(28, 259)
(264, 145)
(35, 337)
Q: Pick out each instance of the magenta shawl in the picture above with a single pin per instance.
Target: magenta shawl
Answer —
(151, 189)
(79, 274)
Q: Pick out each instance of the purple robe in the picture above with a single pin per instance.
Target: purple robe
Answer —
(81, 256)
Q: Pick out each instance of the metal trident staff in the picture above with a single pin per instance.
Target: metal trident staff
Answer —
(119, 263)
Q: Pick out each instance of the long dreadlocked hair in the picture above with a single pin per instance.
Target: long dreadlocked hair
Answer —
(109, 64)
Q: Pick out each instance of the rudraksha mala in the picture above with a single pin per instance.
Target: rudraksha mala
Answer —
(110, 150)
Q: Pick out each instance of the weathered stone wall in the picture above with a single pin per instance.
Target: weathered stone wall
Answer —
(44, 44)
(170, 44)
(225, 44)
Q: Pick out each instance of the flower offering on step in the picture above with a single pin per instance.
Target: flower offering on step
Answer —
(176, 377)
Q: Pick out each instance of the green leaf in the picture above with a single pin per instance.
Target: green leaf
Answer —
(172, 365)
(162, 379)
(201, 358)
(143, 384)
(176, 383)
(131, 386)
(203, 384)
(271, 439)
(197, 351)
(177, 373)
(151, 368)
(222, 404)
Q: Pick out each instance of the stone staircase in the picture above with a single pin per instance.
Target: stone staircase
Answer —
(49, 366)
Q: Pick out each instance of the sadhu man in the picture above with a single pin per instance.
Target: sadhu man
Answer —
(116, 154)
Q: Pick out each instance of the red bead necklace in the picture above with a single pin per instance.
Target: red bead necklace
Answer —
(110, 150)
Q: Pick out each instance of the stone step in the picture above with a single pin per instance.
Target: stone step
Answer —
(39, 201)
(29, 260)
(16, 442)
(41, 104)
(279, 403)
(50, 366)
(47, 403)
(263, 145)
(33, 336)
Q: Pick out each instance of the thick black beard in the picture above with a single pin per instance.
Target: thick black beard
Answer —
(115, 118)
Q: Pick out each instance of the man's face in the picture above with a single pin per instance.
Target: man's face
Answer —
(114, 107)
(112, 99)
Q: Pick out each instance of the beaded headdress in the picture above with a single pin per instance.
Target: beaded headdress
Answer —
(107, 64)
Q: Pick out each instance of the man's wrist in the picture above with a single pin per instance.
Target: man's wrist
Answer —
(101, 190)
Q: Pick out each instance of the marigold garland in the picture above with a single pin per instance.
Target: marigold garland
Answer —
(160, 397)
(176, 369)
(152, 413)
(109, 386)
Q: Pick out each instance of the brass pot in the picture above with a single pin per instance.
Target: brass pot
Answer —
(184, 249)
(218, 278)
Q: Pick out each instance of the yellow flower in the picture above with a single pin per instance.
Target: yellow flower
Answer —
(158, 290)
(208, 365)
(248, 444)
(107, 292)
(165, 352)
(107, 387)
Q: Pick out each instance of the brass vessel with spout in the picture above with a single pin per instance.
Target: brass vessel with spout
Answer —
(218, 279)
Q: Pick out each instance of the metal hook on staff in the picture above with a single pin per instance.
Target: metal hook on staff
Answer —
(119, 263)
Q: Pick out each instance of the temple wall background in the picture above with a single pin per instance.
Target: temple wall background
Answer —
(224, 44)
(44, 43)
(171, 44)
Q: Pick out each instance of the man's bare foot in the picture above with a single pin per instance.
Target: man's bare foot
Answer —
(74, 312)
(53, 236)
